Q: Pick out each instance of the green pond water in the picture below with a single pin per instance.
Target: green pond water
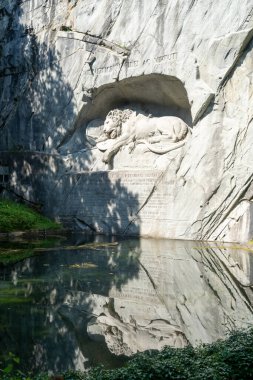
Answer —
(82, 301)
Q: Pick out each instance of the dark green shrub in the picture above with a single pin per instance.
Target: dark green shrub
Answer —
(231, 359)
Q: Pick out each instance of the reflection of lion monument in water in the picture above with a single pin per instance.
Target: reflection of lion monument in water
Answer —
(125, 127)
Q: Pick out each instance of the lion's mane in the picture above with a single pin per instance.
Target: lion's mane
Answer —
(119, 117)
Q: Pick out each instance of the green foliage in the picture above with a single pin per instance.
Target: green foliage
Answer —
(231, 359)
(18, 217)
(9, 370)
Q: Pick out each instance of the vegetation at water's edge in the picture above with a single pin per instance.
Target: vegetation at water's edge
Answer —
(12, 256)
(18, 217)
(231, 359)
(12, 252)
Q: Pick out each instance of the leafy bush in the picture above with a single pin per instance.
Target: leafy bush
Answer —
(231, 359)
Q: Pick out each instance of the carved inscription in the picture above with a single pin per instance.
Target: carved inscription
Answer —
(154, 60)
(167, 57)
(133, 64)
(120, 195)
(107, 69)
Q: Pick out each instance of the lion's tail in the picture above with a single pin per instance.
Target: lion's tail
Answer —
(165, 150)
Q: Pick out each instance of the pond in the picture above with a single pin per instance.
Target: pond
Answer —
(83, 301)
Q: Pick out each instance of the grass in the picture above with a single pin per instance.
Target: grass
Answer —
(18, 217)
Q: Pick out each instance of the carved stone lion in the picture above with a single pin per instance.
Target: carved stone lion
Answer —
(126, 127)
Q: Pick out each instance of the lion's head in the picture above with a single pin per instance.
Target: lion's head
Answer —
(114, 121)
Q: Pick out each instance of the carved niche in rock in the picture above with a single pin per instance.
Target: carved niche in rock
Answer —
(125, 127)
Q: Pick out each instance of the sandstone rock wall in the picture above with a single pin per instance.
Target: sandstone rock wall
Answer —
(66, 64)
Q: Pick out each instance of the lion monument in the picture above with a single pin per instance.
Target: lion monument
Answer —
(126, 127)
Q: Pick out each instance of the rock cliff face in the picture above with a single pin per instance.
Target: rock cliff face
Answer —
(66, 64)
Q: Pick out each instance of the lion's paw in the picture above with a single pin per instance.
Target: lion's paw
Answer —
(131, 147)
(105, 158)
